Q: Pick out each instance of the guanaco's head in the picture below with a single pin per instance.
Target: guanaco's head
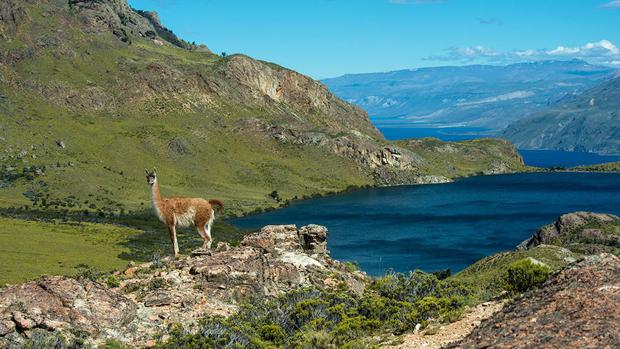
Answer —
(151, 176)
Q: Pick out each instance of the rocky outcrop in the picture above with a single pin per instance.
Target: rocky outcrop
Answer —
(577, 308)
(116, 16)
(302, 102)
(352, 145)
(152, 296)
(57, 303)
(568, 224)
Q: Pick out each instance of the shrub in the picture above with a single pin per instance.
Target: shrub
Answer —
(112, 281)
(313, 318)
(524, 274)
(42, 339)
(351, 266)
(273, 333)
(86, 272)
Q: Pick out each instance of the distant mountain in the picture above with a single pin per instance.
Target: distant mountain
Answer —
(476, 95)
(588, 122)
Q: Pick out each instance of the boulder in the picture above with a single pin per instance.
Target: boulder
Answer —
(53, 302)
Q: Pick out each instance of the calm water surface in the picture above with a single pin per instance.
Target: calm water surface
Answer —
(433, 227)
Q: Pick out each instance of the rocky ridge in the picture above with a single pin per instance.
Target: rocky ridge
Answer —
(577, 308)
(573, 228)
(152, 296)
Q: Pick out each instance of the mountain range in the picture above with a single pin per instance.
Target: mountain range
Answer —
(588, 122)
(482, 96)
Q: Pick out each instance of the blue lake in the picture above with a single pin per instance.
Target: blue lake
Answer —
(433, 227)
(556, 158)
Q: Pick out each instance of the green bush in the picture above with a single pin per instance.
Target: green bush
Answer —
(523, 275)
(43, 339)
(86, 272)
(351, 266)
(273, 333)
(112, 281)
(313, 318)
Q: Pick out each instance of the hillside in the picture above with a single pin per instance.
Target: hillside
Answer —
(477, 95)
(92, 92)
(589, 122)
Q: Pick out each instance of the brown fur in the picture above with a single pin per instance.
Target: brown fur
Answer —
(179, 211)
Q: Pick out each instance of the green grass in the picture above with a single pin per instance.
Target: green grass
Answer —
(29, 249)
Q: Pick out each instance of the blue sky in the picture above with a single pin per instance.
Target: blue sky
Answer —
(326, 38)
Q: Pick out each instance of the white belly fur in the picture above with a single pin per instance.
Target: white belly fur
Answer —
(185, 219)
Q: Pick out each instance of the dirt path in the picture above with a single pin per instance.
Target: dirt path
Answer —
(450, 332)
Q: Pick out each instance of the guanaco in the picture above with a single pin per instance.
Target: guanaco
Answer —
(183, 212)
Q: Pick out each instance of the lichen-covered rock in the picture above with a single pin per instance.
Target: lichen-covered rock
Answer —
(151, 297)
(59, 302)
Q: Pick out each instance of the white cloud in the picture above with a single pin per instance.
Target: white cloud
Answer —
(603, 47)
(561, 50)
(612, 4)
(602, 52)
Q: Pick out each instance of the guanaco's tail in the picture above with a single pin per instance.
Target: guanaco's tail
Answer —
(217, 203)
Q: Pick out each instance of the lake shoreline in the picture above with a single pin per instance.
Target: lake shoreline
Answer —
(380, 217)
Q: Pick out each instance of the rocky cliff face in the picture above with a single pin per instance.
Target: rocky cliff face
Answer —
(152, 296)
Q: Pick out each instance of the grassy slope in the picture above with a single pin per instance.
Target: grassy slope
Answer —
(486, 274)
(35, 248)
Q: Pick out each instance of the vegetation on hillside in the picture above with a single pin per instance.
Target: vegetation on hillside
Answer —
(313, 318)
(606, 167)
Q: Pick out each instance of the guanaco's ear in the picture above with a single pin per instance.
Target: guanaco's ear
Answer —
(147, 171)
(154, 170)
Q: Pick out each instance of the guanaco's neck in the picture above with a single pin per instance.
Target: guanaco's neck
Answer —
(156, 197)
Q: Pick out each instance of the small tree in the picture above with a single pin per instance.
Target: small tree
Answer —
(224, 54)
